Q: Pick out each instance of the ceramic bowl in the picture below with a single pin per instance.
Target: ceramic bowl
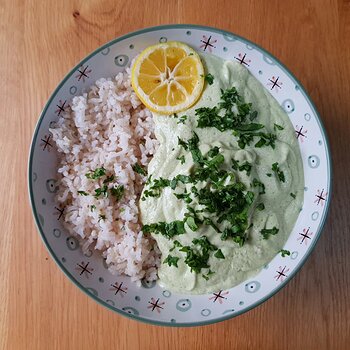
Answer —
(151, 303)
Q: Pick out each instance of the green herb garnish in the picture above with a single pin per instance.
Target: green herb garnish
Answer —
(260, 206)
(293, 195)
(267, 232)
(171, 260)
(246, 166)
(92, 207)
(284, 253)
(191, 223)
(209, 78)
(108, 179)
(83, 193)
(96, 174)
(219, 255)
(168, 230)
(117, 192)
(260, 185)
(278, 172)
(182, 119)
(101, 191)
(139, 169)
(181, 159)
(278, 127)
(182, 143)
(223, 117)
(207, 276)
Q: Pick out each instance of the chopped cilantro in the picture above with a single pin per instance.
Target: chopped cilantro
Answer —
(139, 169)
(181, 159)
(213, 152)
(155, 187)
(92, 207)
(278, 172)
(223, 117)
(260, 185)
(168, 230)
(171, 260)
(108, 179)
(83, 193)
(209, 78)
(96, 174)
(266, 232)
(260, 206)
(117, 192)
(182, 143)
(219, 255)
(207, 276)
(191, 223)
(182, 119)
(177, 244)
(284, 253)
(268, 174)
(246, 166)
(293, 195)
(101, 191)
(278, 127)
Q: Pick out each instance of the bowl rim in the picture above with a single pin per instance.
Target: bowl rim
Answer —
(147, 30)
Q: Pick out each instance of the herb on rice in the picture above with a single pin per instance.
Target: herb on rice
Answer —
(96, 174)
(101, 191)
(108, 179)
(83, 193)
(117, 192)
(139, 169)
(92, 207)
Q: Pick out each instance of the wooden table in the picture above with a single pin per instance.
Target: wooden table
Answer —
(39, 42)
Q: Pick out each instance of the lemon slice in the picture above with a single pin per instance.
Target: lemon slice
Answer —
(168, 77)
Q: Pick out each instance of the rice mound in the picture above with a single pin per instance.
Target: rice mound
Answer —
(107, 127)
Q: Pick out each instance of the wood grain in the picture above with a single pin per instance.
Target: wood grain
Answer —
(40, 41)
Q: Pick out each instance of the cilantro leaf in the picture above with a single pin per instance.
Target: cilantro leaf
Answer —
(139, 169)
(219, 255)
(278, 172)
(171, 260)
(83, 193)
(284, 253)
(96, 174)
(117, 192)
(209, 78)
(168, 230)
(267, 232)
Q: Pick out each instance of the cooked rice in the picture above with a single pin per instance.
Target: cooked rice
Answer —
(107, 127)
